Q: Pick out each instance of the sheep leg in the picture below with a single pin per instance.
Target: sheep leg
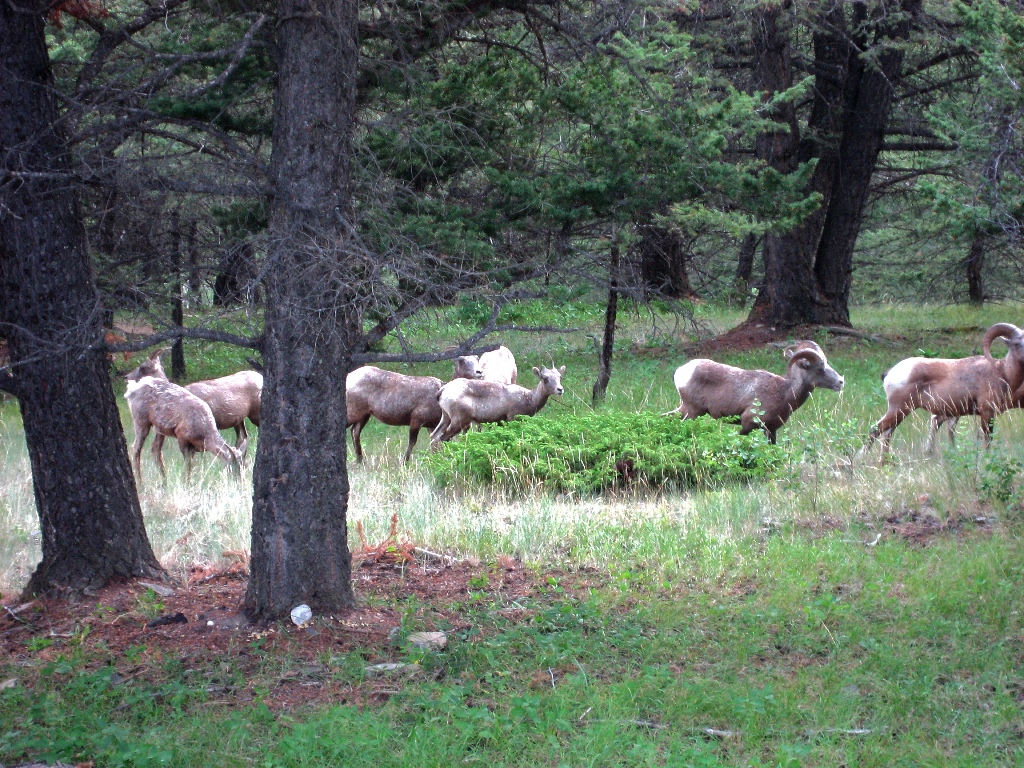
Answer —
(141, 433)
(187, 451)
(882, 431)
(439, 430)
(988, 425)
(934, 424)
(158, 453)
(242, 439)
(414, 434)
(357, 443)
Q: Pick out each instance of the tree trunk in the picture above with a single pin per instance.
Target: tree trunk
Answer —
(663, 263)
(195, 278)
(178, 370)
(868, 97)
(299, 539)
(91, 522)
(788, 256)
(808, 270)
(604, 372)
(745, 262)
(975, 262)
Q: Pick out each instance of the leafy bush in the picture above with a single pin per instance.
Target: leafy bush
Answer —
(597, 452)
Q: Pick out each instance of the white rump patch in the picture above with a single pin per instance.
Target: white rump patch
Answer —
(899, 374)
(684, 373)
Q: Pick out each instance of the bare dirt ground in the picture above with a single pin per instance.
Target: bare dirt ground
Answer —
(283, 666)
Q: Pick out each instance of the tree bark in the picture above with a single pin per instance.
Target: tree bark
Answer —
(299, 538)
(604, 372)
(745, 261)
(178, 369)
(808, 270)
(91, 522)
(975, 262)
(663, 263)
(868, 98)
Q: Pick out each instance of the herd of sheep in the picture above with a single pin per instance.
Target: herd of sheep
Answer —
(484, 390)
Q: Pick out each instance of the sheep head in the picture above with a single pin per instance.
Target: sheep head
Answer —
(551, 379)
(151, 366)
(468, 367)
(811, 366)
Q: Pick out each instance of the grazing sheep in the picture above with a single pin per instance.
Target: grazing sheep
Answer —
(465, 402)
(951, 422)
(949, 388)
(174, 412)
(497, 365)
(398, 400)
(232, 399)
(760, 398)
(393, 398)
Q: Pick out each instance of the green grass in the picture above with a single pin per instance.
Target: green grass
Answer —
(813, 652)
(757, 609)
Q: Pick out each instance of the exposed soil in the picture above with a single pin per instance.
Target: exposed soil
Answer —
(921, 524)
(284, 665)
(747, 336)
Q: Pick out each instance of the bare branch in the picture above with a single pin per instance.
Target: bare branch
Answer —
(156, 339)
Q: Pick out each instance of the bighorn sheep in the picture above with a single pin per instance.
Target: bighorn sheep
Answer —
(949, 388)
(174, 412)
(760, 398)
(497, 365)
(465, 402)
(231, 398)
(398, 400)
(467, 367)
(1017, 401)
(393, 398)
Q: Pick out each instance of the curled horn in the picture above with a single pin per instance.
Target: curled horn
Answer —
(806, 354)
(796, 346)
(997, 331)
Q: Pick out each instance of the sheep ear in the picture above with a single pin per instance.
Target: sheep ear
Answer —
(155, 354)
(536, 371)
(561, 371)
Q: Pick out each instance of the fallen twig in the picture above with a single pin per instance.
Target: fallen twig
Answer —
(13, 612)
(427, 554)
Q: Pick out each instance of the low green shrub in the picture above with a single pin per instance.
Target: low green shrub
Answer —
(596, 452)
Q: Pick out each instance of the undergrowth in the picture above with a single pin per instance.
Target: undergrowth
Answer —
(594, 452)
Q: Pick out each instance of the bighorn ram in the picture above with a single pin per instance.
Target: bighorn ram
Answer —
(398, 400)
(232, 399)
(174, 412)
(760, 398)
(949, 388)
(464, 402)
